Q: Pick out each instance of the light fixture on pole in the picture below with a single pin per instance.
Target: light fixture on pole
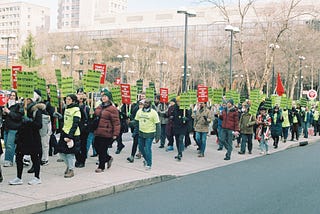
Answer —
(122, 69)
(8, 37)
(161, 64)
(273, 47)
(232, 30)
(187, 14)
(301, 58)
(71, 48)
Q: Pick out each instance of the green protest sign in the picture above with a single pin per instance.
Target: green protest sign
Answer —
(59, 77)
(303, 102)
(150, 93)
(116, 95)
(91, 81)
(139, 84)
(171, 96)
(54, 100)
(217, 95)
(26, 83)
(133, 94)
(6, 79)
(184, 101)
(42, 86)
(66, 86)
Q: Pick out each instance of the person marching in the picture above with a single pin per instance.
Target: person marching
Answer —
(263, 130)
(246, 123)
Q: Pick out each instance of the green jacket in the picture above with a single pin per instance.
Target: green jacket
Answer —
(246, 123)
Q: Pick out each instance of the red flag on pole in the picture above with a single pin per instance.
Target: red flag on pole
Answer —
(279, 88)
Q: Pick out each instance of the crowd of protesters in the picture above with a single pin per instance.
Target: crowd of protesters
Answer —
(32, 129)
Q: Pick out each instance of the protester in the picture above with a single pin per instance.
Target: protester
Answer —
(28, 142)
(202, 118)
(295, 121)
(230, 127)
(285, 124)
(162, 109)
(81, 155)
(149, 128)
(107, 131)
(169, 126)
(12, 114)
(180, 119)
(263, 130)
(124, 120)
(276, 125)
(69, 143)
(307, 122)
(246, 124)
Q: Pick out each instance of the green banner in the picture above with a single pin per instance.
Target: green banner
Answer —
(116, 95)
(217, 96)
(26, 83)
(133, 93)
(91, 81)
(6, 79)
(54, 100)
(139, 84)
(150, 93)
(66, 86)
(59, 77)
(42, 86)
(184, 101)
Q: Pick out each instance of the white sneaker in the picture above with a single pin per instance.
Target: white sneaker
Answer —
(148, 168)
(34, 181)
(262, 153)
(8, 164)
(268, 153)
(16, 181)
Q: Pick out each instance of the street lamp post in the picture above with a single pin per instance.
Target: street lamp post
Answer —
(71, 48)
(273, 47)
(187, 14)
(301, 58)
(161, 74)
(122, 69)
(8, 37)
(232, 31)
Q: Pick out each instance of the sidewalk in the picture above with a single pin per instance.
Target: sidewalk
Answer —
(56, 190)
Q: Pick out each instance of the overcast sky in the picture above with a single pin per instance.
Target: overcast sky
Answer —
(133, 6)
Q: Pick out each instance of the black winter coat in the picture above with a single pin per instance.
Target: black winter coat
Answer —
(28, 139)
(13, 120)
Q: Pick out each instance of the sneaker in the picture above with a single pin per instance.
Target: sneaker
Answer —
(178, 157)
(130, 159)
(16, 181)
(261, 153)
(34, 181)
(119, 149)
(60, 160)
(69, 174)
(268, 153)
(8, 164)
(226, 158)
(201, 155)
(148, 168)
(99, 170)
(109, 163)
(31, 170)
(169, 148)
(161, 146)
(79, 165)
(44, 163)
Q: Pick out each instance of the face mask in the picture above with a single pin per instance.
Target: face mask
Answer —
(243, 109)
(11, 103)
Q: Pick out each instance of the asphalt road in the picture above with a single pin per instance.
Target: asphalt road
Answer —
(281, 183)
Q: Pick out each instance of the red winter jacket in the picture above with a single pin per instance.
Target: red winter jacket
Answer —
(230, 120)
(109, 124)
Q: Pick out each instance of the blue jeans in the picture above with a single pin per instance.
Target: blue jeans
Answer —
(163, 134)
(90, 141)
(9, 137)
(202, 139)
(305, 129)
(219, 130)
(263, 144)
(69, 160)
(180, 144)
(246, 138)
(145, 149)
(226, 139)
(285, 131)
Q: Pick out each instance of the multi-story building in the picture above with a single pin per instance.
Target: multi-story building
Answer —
(17, 21)
(83, 13)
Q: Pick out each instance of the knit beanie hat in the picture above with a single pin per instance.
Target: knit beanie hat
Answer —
(108, 94)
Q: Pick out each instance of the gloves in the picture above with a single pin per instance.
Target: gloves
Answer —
(57, 115)
(236, 134)
(26, 119)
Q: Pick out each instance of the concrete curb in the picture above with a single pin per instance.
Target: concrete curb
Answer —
(47, 205)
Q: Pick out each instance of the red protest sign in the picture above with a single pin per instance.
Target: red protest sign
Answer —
(117, 82)
(103, 69)
(202, 93)
(15, 70)
(3, 99)
(125, 93)
(164, 95)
